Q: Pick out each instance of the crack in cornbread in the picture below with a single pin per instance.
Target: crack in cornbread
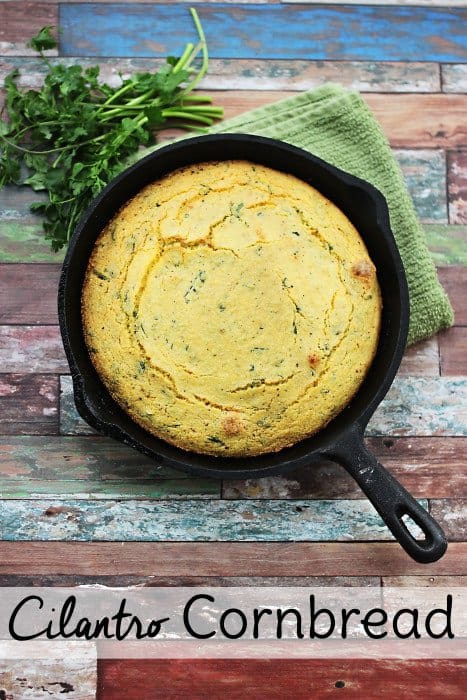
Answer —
(231, 309)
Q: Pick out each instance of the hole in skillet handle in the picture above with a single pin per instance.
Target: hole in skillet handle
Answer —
(390, 498)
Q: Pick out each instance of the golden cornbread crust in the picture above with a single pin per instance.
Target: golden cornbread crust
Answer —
(231, 309)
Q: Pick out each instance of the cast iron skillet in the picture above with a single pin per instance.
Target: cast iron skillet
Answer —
(342, 439)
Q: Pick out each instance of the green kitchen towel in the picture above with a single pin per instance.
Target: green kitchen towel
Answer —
(337, 126)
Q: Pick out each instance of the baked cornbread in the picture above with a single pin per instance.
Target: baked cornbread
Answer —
(231, 309)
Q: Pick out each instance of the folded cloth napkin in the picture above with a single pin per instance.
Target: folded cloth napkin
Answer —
(337, 126)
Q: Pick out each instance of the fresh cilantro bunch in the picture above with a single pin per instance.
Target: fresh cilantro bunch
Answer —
(74, 134)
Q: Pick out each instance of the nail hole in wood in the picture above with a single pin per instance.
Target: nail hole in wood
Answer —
(340, 684)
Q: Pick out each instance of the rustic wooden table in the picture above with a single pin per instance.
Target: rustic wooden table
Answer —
(78, 508)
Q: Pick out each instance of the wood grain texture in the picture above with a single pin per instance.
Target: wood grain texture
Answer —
(447, 243)
(454, 280)
(79, 459)
(451, 513)
(457, 186)
(15, 31)
(94, 467)
(454, 77)
(212, 581)
(28, 404)
(71, 422)
(74, 676)
(15, 202)
(90, 468)
(424, 173)
(242, 31)
(32, 349)
(424, 121)
(422, 406)
(277, 679)
(224, 559)
(423, 581)
(453, 351)
(255, 73)
(29, 292)
(22, 242)
(421, 359)
(427, 467)
(191, 520)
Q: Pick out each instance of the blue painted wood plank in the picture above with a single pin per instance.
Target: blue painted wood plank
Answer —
(351, 32)
(193, 520)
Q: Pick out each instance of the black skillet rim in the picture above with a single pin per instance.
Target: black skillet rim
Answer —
(102, 413)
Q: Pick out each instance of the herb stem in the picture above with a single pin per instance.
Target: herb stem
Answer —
(183, 58)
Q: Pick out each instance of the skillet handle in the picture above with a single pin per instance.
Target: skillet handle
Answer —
(390, 498)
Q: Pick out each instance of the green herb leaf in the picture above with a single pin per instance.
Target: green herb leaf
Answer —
(75, 133)
(43, 40)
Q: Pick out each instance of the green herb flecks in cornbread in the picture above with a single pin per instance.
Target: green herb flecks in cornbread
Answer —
(231, 309)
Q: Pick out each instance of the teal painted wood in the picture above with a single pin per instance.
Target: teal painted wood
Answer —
(279, 31)
(110, 489)
(15, 202)
(422, 406)
(90, 468)
(192, 521)
(21, 242)
(71, 422)
(413, 406)
(88, 459)
(24, 242)
(447, 243)
(425, 176)
(256, 73)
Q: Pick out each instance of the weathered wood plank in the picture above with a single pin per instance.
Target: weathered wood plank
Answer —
(423, 581)
(28, 404)
(15, 202)
(32, 349)
(85, 459)
(415, 406)
(33, 679)
(457, 186)
(421, 359)
(447, 243)
(276, 679)
(71, 422)
(100, 467)
(422, 121)
(111, 489)
(427, 467)
(256, 73)
(221, 581)
(453, 351)
(454, 280)
(191, 520)
(33, 467)
(15, 32)
(242, 31)
(28, 293)
(223, 559)
(454, 77)
(22, 242)
(422, 406)
(424, 3)
(425, 176)
(451, 513)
